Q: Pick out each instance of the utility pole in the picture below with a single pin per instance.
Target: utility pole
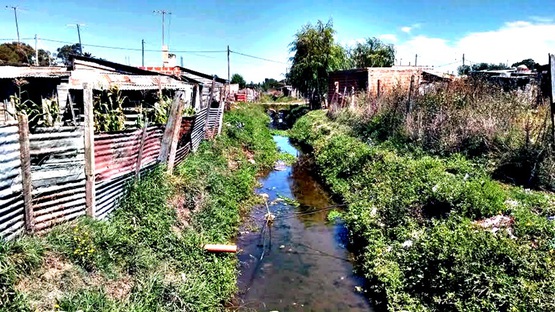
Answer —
(228, 72)
(16, 23)
(78, 35)
(36, 52)
(463, 60)
(416, 60)
(182, 61)
(143, 52)
(163, 12)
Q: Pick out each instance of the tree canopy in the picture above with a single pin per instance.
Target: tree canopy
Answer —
(236, 78)
(22, 54)
(65, 51)
(373, 53)
(530, 63)
(16, 54)
(313, 50)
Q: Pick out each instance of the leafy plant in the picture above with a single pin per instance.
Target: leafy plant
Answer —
(108, 110)
(31, 109)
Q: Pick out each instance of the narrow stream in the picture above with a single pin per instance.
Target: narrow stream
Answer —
(300, 262)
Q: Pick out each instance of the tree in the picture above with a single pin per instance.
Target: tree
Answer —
(373, 53)
(67, 50)
(45, 58)
(16, 54)
(236, 78)
(530, 63)
(314, 51)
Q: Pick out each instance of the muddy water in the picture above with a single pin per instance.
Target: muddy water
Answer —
(300, 262)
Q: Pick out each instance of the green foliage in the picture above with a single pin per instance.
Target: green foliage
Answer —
(65, 52)
(108, 111)
(413, 218)
(530, 63)
(236, 78)
(372, 53)
(312, 49)
(16, 54)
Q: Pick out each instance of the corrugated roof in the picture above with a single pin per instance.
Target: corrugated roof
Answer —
(11, 72)
(124, 82)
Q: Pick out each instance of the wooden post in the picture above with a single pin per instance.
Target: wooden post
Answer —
(90, 192)
(25, 157)
(167, 139)
(410, 94)
(552, 80)
(175, 136)
(141, 148)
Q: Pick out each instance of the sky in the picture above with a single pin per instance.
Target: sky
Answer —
(439, 32)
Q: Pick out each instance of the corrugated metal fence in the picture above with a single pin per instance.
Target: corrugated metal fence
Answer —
(12, 220)
(58, 159)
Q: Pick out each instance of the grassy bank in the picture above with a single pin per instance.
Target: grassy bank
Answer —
(435, 233)
(148, 256)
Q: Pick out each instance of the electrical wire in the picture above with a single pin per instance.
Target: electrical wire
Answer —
(256, 57)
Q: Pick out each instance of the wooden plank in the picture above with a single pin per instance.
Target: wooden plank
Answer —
(24, 152)
(175, 137)
(90, 194)
(175, 113)
(141, 148)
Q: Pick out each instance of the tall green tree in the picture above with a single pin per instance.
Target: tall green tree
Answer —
(16, 54)
(372, 53)
(315, 54)
(65, 52)
(236, 78)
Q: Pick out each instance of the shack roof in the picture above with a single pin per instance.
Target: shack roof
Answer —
(89, 63)
(11, 72)
(103, 81)
(188, 73)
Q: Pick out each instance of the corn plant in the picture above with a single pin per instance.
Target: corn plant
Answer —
(108, 111)
(28, 107)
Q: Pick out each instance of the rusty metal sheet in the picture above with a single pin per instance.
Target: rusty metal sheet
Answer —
(57, 175)
(11, 188)
(124, 82)
(116, 153)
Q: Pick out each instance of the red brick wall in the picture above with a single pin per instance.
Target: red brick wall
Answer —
(367, 79)
(391, 78)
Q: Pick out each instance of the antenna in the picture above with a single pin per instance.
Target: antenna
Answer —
(163, 13)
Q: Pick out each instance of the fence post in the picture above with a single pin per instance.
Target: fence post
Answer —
(171, 130)
(90, 192)
(25, 157)
(141, 147)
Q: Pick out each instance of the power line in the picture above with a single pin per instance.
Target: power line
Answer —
(258, 58)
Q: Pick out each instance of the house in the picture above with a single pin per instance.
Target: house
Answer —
(375, 81)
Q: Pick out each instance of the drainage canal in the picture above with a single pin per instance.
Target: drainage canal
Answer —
(299, 262)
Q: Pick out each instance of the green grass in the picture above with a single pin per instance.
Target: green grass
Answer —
(148, 256)
(412, 216)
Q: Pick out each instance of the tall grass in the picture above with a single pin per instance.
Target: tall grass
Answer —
(509, 130)
(148, 256)
(415, 220)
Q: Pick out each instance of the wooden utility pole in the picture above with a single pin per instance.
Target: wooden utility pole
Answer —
(416, 60)
(25, 157)
(163, 12)
(90, 192)
(552, 93)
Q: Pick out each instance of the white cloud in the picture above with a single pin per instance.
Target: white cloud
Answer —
(408, 29)
(512, 42)
(388, 38)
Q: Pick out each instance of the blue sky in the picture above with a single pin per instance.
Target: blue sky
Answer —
(438, 31)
